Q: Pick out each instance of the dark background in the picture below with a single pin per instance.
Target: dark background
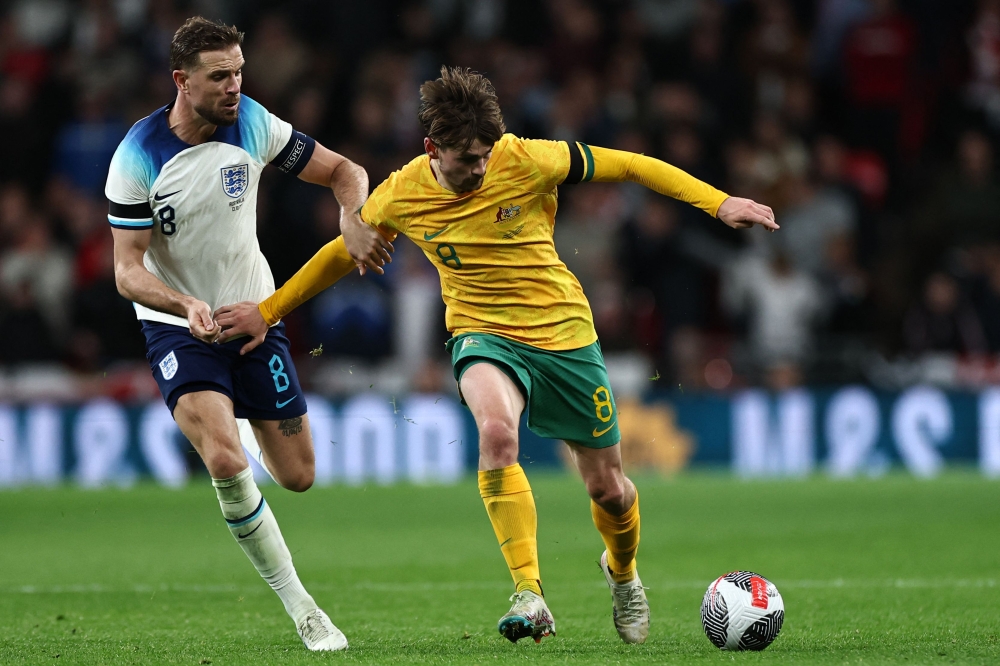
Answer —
(870, 126)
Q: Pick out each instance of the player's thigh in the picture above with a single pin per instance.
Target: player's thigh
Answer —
(206, 419)
(571, 398)
(492, 377)
(494, 399)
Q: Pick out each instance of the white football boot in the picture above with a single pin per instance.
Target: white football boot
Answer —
(319, 634)
(630, 609)
(529, 616)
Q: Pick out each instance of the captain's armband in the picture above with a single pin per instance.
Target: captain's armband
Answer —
(296, 154)
(581, 163)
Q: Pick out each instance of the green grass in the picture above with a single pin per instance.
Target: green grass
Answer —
(887, 571)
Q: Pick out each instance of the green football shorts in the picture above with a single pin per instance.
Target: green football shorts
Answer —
(567, 393)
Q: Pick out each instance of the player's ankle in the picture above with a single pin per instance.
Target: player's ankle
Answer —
(530, 585)
(623, 578)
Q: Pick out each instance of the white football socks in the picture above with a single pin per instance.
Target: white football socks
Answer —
(254, 527)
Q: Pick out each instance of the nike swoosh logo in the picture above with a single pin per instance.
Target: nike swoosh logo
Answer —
(161, 198)
(434, 235)
(244, 536)
(279, 405)
(601, 432)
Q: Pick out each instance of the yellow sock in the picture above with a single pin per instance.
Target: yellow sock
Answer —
(511, 508)
(621, 537)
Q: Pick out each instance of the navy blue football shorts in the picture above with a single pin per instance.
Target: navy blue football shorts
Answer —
(262, 385)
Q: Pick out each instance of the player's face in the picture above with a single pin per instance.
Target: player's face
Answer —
(214, 86)
(464, 170)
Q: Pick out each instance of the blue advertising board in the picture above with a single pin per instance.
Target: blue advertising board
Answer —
(842, 431)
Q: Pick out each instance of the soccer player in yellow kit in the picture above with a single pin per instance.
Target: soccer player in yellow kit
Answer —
(481, 205)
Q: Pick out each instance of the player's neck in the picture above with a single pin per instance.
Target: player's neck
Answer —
(439, 177)
(187, 125)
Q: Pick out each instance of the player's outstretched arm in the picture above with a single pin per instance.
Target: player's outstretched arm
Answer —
(604, 164)
(349, 183)
(137, 284)
(327, 266)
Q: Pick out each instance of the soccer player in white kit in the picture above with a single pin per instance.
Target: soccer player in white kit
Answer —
(182, 192)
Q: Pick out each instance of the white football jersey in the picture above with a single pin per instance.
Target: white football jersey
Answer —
(201, 202)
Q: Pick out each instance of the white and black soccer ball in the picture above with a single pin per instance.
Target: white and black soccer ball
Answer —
(742, 611)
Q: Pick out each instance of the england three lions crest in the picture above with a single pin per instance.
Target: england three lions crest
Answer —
(168, 366)
(235, 180)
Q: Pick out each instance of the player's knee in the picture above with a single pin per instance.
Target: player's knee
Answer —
(223, 463)
(608, 493)
(498, 436)
(301, 478)
(299, 483)
(295, 474)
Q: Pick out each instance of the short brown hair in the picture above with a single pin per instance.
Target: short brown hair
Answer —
(200, 34)
(459, 108)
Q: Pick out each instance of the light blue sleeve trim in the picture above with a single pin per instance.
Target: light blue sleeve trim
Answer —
(120, 223)
(255, 128)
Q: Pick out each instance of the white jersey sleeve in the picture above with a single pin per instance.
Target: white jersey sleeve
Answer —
(269, 139)
(130, 179)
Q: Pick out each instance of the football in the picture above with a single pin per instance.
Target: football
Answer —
(742, 611)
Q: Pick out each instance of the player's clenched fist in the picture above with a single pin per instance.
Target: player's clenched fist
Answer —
(744, 213)
(200, 321)
(242, 318)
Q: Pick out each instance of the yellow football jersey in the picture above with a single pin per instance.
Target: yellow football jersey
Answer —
(493, 247)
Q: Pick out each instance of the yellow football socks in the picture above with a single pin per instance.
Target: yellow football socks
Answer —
(621, 537)
(511, 508)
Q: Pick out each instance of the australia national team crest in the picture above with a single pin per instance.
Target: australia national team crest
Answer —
(234, 180)
(507, 214)
(168, 366)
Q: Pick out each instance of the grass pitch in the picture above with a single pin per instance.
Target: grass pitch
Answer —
(889, 571)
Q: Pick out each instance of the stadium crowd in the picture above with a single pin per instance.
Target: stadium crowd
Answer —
(870, 126)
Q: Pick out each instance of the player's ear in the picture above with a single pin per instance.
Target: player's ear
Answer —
(180, 79)
(431, 149)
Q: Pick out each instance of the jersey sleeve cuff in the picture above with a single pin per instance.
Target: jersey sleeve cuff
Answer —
(130, 216)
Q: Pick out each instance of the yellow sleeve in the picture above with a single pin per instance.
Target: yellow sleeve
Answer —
(325, 267)
(615, 166)
(550, 158)
(380, 211)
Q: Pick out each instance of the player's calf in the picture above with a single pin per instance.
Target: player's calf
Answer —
(287, 451)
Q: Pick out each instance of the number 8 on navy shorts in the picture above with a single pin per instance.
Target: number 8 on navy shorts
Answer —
(262, 384)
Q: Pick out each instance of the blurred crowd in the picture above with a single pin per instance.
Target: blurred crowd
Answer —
(869, 126)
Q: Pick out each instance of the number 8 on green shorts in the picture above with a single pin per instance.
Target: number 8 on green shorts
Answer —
(568, 394)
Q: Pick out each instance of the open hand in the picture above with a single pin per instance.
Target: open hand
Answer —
(242, 318)
(365, 244)
(200, 322)
(744, 213)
